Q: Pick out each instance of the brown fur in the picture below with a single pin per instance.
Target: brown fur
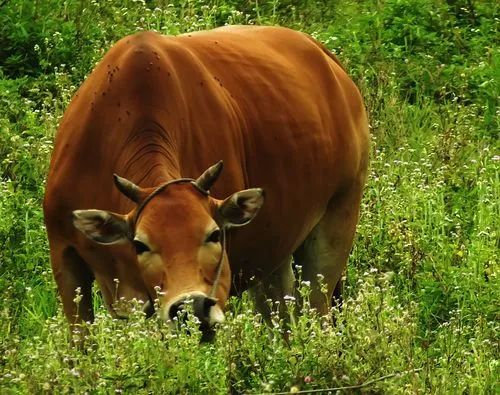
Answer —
(271, 102)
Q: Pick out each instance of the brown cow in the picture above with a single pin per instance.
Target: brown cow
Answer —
(270, 102)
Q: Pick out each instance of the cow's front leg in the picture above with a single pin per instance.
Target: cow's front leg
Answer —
(276, 287)
(74, 282)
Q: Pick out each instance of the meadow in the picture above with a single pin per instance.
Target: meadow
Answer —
(421, 311)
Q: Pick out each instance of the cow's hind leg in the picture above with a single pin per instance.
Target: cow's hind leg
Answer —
(323, 255)
(74, 282)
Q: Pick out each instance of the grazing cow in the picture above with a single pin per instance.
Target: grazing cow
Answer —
(271, 103)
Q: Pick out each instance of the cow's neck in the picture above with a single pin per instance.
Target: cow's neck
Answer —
(149, 158)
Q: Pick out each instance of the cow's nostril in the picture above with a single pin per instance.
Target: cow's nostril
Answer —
(197, 305)
(178, 311)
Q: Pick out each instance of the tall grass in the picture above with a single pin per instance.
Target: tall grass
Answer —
(421, 312)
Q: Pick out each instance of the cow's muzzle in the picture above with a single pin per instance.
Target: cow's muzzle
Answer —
(204, 308)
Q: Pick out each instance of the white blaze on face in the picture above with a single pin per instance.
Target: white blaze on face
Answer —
(216, 315)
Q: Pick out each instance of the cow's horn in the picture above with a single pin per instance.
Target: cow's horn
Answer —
(128, 188)
(208, 178)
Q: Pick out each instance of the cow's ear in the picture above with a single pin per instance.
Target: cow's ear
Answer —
(240, 208)
(103, 227)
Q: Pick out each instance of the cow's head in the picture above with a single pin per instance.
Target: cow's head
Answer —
(176, 231)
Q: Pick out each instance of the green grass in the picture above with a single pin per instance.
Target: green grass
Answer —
(421, 312)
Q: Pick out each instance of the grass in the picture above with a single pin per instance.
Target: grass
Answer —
(421, 310)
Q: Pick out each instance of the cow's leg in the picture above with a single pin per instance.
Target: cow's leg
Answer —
(275, 287)
(74, 282)
(325, 251)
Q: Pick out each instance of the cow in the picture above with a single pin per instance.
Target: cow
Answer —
(202, 165)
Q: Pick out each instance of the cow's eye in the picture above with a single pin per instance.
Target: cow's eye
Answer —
(214, 237)
(140, 247)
